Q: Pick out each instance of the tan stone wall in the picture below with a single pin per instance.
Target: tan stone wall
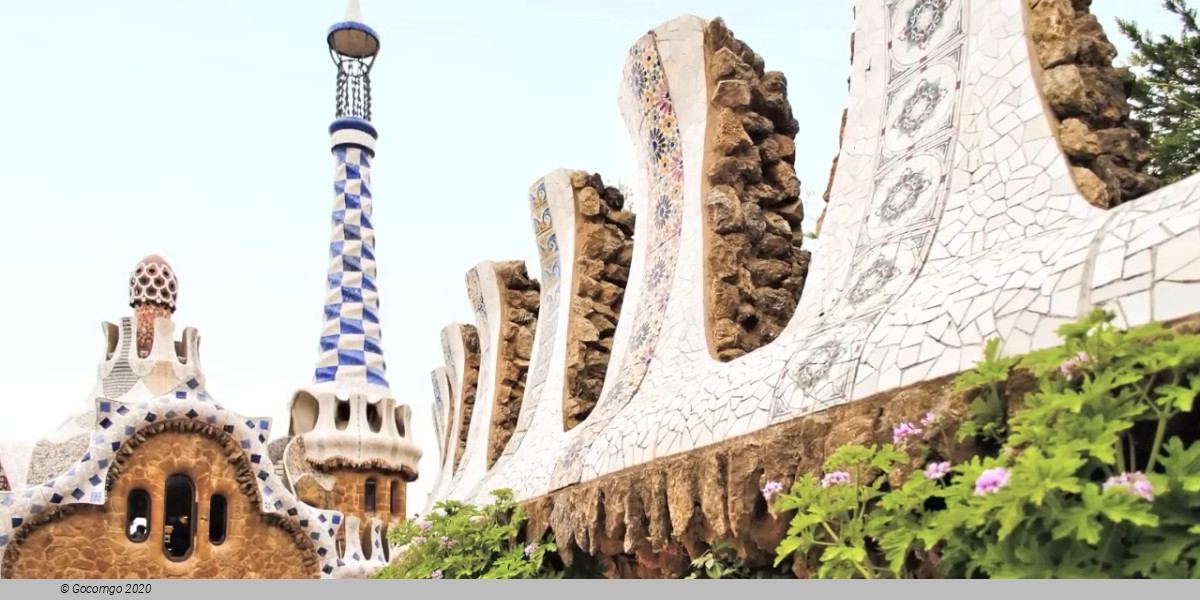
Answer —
(603, 255)
(754, 264)
(1088, 98)
(470, 385)
(89, 542)
(652, 520)
(520, 299)
(348, 497)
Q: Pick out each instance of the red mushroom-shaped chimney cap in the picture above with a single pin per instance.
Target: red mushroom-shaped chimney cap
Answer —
(153, 282)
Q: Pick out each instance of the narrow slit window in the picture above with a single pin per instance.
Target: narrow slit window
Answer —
(218, 519)
(342, 415)
(369, 495)
(179, 518)
(394, 498)
(137, 516)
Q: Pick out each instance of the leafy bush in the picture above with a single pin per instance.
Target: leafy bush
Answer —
(464, 541)
(1088, 485)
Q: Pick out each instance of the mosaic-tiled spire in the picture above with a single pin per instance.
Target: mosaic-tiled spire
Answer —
(351, 347)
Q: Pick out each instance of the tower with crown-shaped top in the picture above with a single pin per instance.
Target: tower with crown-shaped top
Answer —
(351, 446)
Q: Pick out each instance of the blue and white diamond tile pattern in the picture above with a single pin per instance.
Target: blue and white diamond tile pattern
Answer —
(117, 422)
(351, 347)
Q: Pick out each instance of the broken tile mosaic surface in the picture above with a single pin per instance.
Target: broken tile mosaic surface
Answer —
(953, 218)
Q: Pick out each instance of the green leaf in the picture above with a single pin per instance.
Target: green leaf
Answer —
(786, 548)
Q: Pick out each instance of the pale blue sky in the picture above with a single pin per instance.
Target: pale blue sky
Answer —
(197, 130)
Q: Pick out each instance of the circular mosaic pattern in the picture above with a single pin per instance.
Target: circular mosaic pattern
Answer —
(919, 107)
(905, 196)
(815, 368)
(153, 282)
(922, 21)
(871, 281)
(919, 27)
(922, 106)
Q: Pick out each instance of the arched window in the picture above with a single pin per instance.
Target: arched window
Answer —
(395, 496)
(369, 495)
(374, 419)
(179, 517)
(218, 518)
(137, 516)
(341, 416)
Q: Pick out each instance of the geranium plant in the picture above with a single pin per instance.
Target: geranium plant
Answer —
(465, 541)
(1098, 475)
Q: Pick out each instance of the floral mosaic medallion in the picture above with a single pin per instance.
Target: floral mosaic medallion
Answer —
(902, 195)
(820, 361)
(871, 282)
(650, 112)
(822, 371)
(547, 328)
(921, 29)
(919, 107)
(922, 21)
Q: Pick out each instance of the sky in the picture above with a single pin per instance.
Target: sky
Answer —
(197, 130)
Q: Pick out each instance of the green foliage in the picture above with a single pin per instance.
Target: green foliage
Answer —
(723, 562)
(464, 541)
(1067, 498)
(719, 562)
(1167, 94)
(988, 409)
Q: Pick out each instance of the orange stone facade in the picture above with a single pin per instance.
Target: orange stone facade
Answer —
(88, 541)
(349, 497)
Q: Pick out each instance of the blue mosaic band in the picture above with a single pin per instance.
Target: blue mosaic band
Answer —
(353, 132)
(351, 341)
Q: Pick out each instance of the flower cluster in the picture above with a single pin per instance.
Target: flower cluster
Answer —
(436, 574)
(937, 470)
(417, 541)
(1134, 482)
(771, 489)
(425, 525)
(904, 430)
(1072, 364)
(529, 550)
(929, 419)
(991, 481)
(835, 478)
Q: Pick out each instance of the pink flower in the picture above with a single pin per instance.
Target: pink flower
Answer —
(436, 574)
(835, 478)
(771, 489)
(417, 541)
(937, 470)
(425, 525)
(1134, 482)
(991, 481)
(904, 430)
(1070, 365)
(929, 419)
(530, 549)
